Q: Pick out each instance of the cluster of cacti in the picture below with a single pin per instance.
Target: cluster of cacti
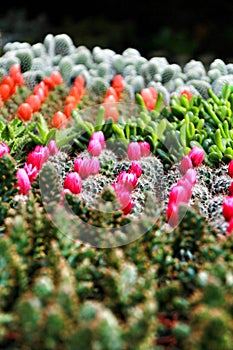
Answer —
(88, 257)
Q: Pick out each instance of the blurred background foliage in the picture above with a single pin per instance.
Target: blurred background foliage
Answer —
(177, 30)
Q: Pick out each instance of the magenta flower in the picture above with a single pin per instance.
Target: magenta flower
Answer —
(135, 168)
(86, 166)
(227, 208)
(134, 151)
(191, 176)
(4, 148)
(230, 169)
(196, 155)
(98, 135)
(94, 148)
(144, 148)
(186, 164)
(38, 156)
(52, 146)
(73, 182)
(124, 197)
(178, 194)
(186, 184)
(94, 165)
(172, 214)
(23, 181)
(31, 171)
(128, 179)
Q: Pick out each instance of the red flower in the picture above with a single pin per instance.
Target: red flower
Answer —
(24, 111)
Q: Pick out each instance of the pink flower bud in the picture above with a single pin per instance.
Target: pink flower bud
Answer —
(230, 169)
(52, 146)
(172, 214)
(83, 167)
(144, 148)
(196, 155)
(135, 168)
(31, 171)
(73, 182)
(98, 135)
(4, 148)
(124, 198)
(134, 151)
(227, 208)
(186, 184)
(191, 176)
(94, 148)
(186, 164)
(178, 194)
(23, 181)
(38, 156)
(128, 179)
(94, 165)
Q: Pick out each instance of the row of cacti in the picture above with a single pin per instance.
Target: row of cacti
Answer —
(98, 66)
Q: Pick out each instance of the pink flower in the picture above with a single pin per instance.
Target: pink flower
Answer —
(94, 165)
(186, 164)
(227, 208)
(191, 176)
(98, 135)
(128, 179)
(178, 194)
(23, 181)
(196, 155)
(124, 197)
(94, 147)
(52, 146)
(73, 182)
(134, 151)
(186, 184)
(144, 148)
(4, 148)
(172, 214)
(230, 168)
(135, 168)
(38, 156)
(31, 171)
(86, 166)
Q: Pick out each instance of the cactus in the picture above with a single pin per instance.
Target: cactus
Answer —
(63, 44)
(26, 58)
